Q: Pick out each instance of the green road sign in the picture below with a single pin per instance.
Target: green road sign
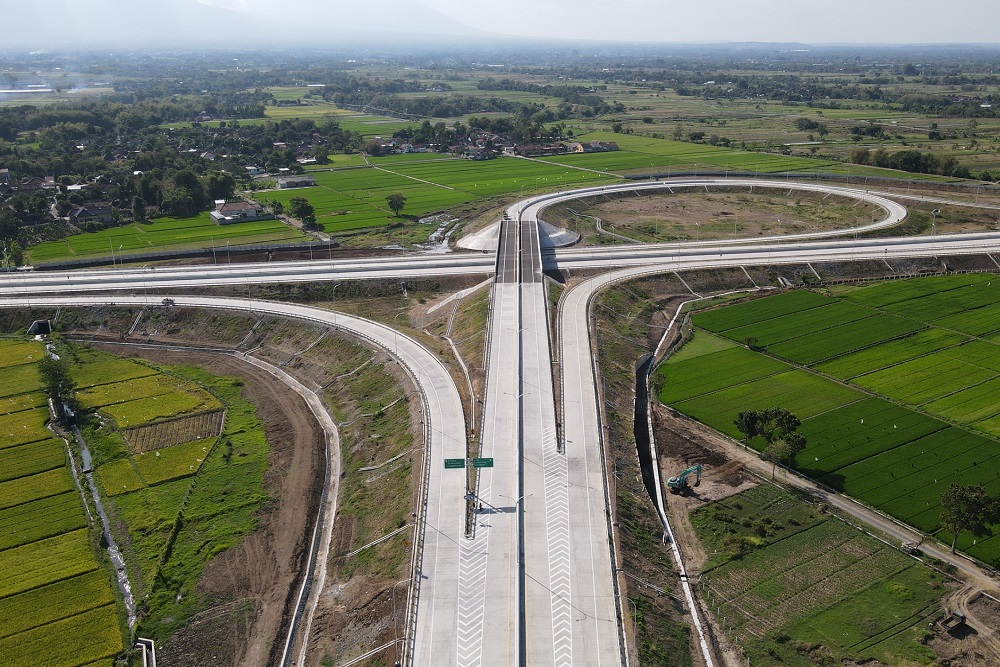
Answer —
(455, 463)
(482, 463)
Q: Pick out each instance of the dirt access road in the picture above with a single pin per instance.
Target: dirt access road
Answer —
(260, 574)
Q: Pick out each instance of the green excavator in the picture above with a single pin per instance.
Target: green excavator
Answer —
(680, 483)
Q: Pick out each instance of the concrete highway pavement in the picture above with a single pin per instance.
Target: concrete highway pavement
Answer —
(431, 624)
(692, 256)
(206, 275)
(568, 601)
(489, 624)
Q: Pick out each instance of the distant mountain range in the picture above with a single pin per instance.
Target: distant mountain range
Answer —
(186, 23)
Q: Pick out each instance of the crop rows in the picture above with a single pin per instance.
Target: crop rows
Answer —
(969, 406)
(786, 327)
(148, 387)
(950, 302)
(41, 518)
(759, 310)
(686, 379)
(800, 392)
(883, 294)
(199, 231)
(44, 561)
(924, 379)
(20, 379)
(10, 404)
(31, 459)
(119, 477)
(175, 431)
(145, 410)
(889, 353)
(844, 338)
(978, 322)
(15, 353)
(22, 427)
(52, 602)
(858, 431)
(90, 636)
(92, 372)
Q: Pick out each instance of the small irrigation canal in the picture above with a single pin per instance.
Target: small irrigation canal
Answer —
(107, 539)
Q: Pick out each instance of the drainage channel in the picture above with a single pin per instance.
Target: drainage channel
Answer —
(114, 553)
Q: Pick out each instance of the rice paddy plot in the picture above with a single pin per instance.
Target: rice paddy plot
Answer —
(19, 428)
(978, 353)
(501, 176)
(890, 353)
(119, 477)
(146, 410)
(42, 518)
(54, 601)
(15, 353)
(91, 370)
(855, 432)
(31, 459)
(173, 462)
(44, 561)
(703, 343)
(786, 327)
(164, 233)
(882, 295)
(32, 487)
(949, 302)
(703, 374)
(78, 640)
(801, 393)
(145, 387)
(977, 322)
(968, 406)
(11, 404)
(20, 379)
(722, 319)
(924, 379)
(837, 340)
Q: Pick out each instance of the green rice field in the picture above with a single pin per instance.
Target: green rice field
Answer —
(197, 232)
(895, 384)
(57, 606)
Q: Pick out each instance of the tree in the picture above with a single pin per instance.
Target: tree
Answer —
(968, 508)
(778, 427)
(299, 207)
(746, 423)
(56, 380)
(396, 202)
(784, 450)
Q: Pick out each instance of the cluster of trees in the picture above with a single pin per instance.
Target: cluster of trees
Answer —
(779, 429)
(912, 161)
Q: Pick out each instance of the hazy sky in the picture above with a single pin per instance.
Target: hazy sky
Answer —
(808, 21)
(241, 23)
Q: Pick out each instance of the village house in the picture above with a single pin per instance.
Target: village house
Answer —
(228, 213)
(287, 182)
(95, 211)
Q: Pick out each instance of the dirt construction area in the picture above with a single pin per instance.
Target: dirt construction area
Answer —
(251, 586)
